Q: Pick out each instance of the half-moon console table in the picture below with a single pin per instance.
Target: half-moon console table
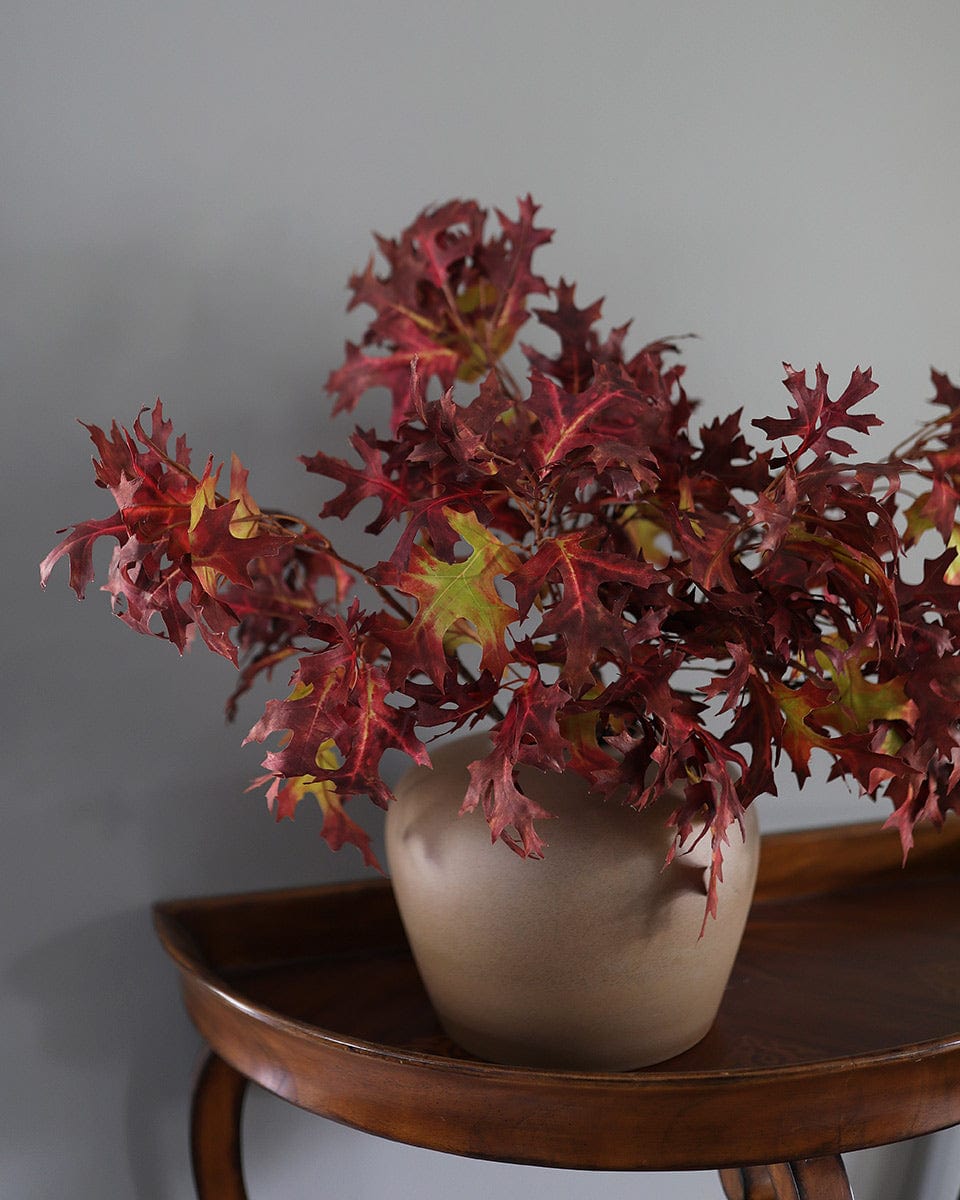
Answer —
(840, 1029)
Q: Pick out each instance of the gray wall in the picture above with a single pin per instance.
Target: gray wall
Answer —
(186, 187)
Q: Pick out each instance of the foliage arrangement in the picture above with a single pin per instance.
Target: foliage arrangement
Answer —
(612, 591)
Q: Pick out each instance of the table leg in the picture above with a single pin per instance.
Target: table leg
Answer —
(215, 1131)
(811, 1179)
(747, 1183)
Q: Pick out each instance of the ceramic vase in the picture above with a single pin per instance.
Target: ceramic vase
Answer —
(589, 958)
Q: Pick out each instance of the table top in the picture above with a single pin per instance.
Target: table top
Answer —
(839, 1029)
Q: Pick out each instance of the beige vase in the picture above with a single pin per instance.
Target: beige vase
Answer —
(589, 958)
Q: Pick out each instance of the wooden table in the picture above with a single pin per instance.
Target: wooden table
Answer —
(840, 1029)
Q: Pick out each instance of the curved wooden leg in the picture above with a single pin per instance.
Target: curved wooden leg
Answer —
(215, 1131)
(747, 1183)
(811, 1179)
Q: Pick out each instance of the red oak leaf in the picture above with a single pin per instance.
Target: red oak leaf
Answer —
(947, 395)
(921, 803)
(940, 506)
(217, 551)
(142, 590)
(181, 547)
(458, 436)
(530, 732)
(735, 681)
(361, 372)
(579, 343)
(726, 810)
(458, 705)
(709, 544)
(589, 628)
(370, 727)
(338, 829)
(450, 299)
(758, 725)
(581, 724)
(815, 416)
(361, 483)
(337, 723)
(493, 786)
(726, 456)
(853, 575)
(775, 508)
(403, 474)
(78, 545)
(120, 457)
(470, 456)
(610, 422)
(506, 262)
(582, 352)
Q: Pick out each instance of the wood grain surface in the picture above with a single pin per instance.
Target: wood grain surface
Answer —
(840, 1027)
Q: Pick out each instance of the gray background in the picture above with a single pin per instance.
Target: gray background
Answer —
(186, 188)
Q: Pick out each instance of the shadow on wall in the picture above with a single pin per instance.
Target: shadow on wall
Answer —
(106, 998)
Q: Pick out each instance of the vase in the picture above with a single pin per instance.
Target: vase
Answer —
(590, 958)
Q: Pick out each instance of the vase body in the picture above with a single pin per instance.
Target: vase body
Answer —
(590, 958)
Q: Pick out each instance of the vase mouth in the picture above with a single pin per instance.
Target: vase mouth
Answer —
(453, 748)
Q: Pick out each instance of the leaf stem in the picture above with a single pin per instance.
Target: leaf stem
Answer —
(510, 384)
(913, 445)
(326, 546)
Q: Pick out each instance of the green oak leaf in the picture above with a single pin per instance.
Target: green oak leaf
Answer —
(460, 596)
